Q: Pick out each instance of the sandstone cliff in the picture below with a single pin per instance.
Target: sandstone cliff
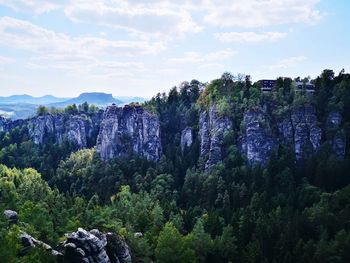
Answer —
(298, 129)
(129, 130)
(257, 140)
(115, 131)
(186, 138)
(78, 129)
(133, 130)
(212, 128)
(336, 134)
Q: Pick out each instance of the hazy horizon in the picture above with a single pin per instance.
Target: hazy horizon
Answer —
(60, 97)
(140, 48)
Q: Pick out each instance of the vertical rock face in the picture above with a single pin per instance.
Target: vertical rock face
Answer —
(115, 131)
(335, 135)
(300, 129)
(307, 133)
(41, 127)
(204, 133)
(129, 130)
(334, 119)
(257, 140)
(186, 138)
(77, 128)
(213, 127)
(3, 124)
(286, 130)
(122, 131)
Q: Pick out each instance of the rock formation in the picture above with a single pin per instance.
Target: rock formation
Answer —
(83, 246)
(133, 130)
(257, 140)
(3, 124)
(115, 131)
(75, 128)
(307, 133)
(11, 216)
(95, 247)
(117, 249)
(186, 138)
(213, 127)
(129, 130)
(28, 242)
(300, 129)
(336, 135)
(80, 247)
(261, 133)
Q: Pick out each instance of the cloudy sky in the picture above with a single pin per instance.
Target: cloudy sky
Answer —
(143, 47)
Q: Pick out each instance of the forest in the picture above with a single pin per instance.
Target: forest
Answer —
(282, 211)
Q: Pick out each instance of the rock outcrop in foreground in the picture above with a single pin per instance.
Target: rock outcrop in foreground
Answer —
(95, 247)
(80, 247)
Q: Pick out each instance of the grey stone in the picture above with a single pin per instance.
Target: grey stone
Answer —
(84, 246)
(28, 242)
(257, 140)
(212, 129)
(129, 130)
(138, 235)
(336, 135)
(117, 249)
(3, 123)
(76, 128)
(186, 138)
(11, 216)
(334, 119)
(300, 130)
(307, 133)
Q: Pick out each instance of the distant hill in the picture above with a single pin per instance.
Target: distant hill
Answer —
(24, 106)
(129, 99)
(17, 110)
(97, 98)
(47, 99)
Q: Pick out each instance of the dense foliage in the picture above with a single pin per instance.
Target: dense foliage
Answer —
(230, 213)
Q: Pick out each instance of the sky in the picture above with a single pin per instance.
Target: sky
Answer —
(140, 48)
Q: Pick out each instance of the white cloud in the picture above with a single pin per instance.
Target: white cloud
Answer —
(249, 37)
(260, 13)
(215, 66)
(79, 54)
(32, 6)
(24, 35)
(145, 20)
(168, 19)
(6, 60)
(286, 63)
(196, 57)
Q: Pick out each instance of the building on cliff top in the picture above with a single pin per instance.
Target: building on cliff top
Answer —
(309, 87)
(267, 85)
